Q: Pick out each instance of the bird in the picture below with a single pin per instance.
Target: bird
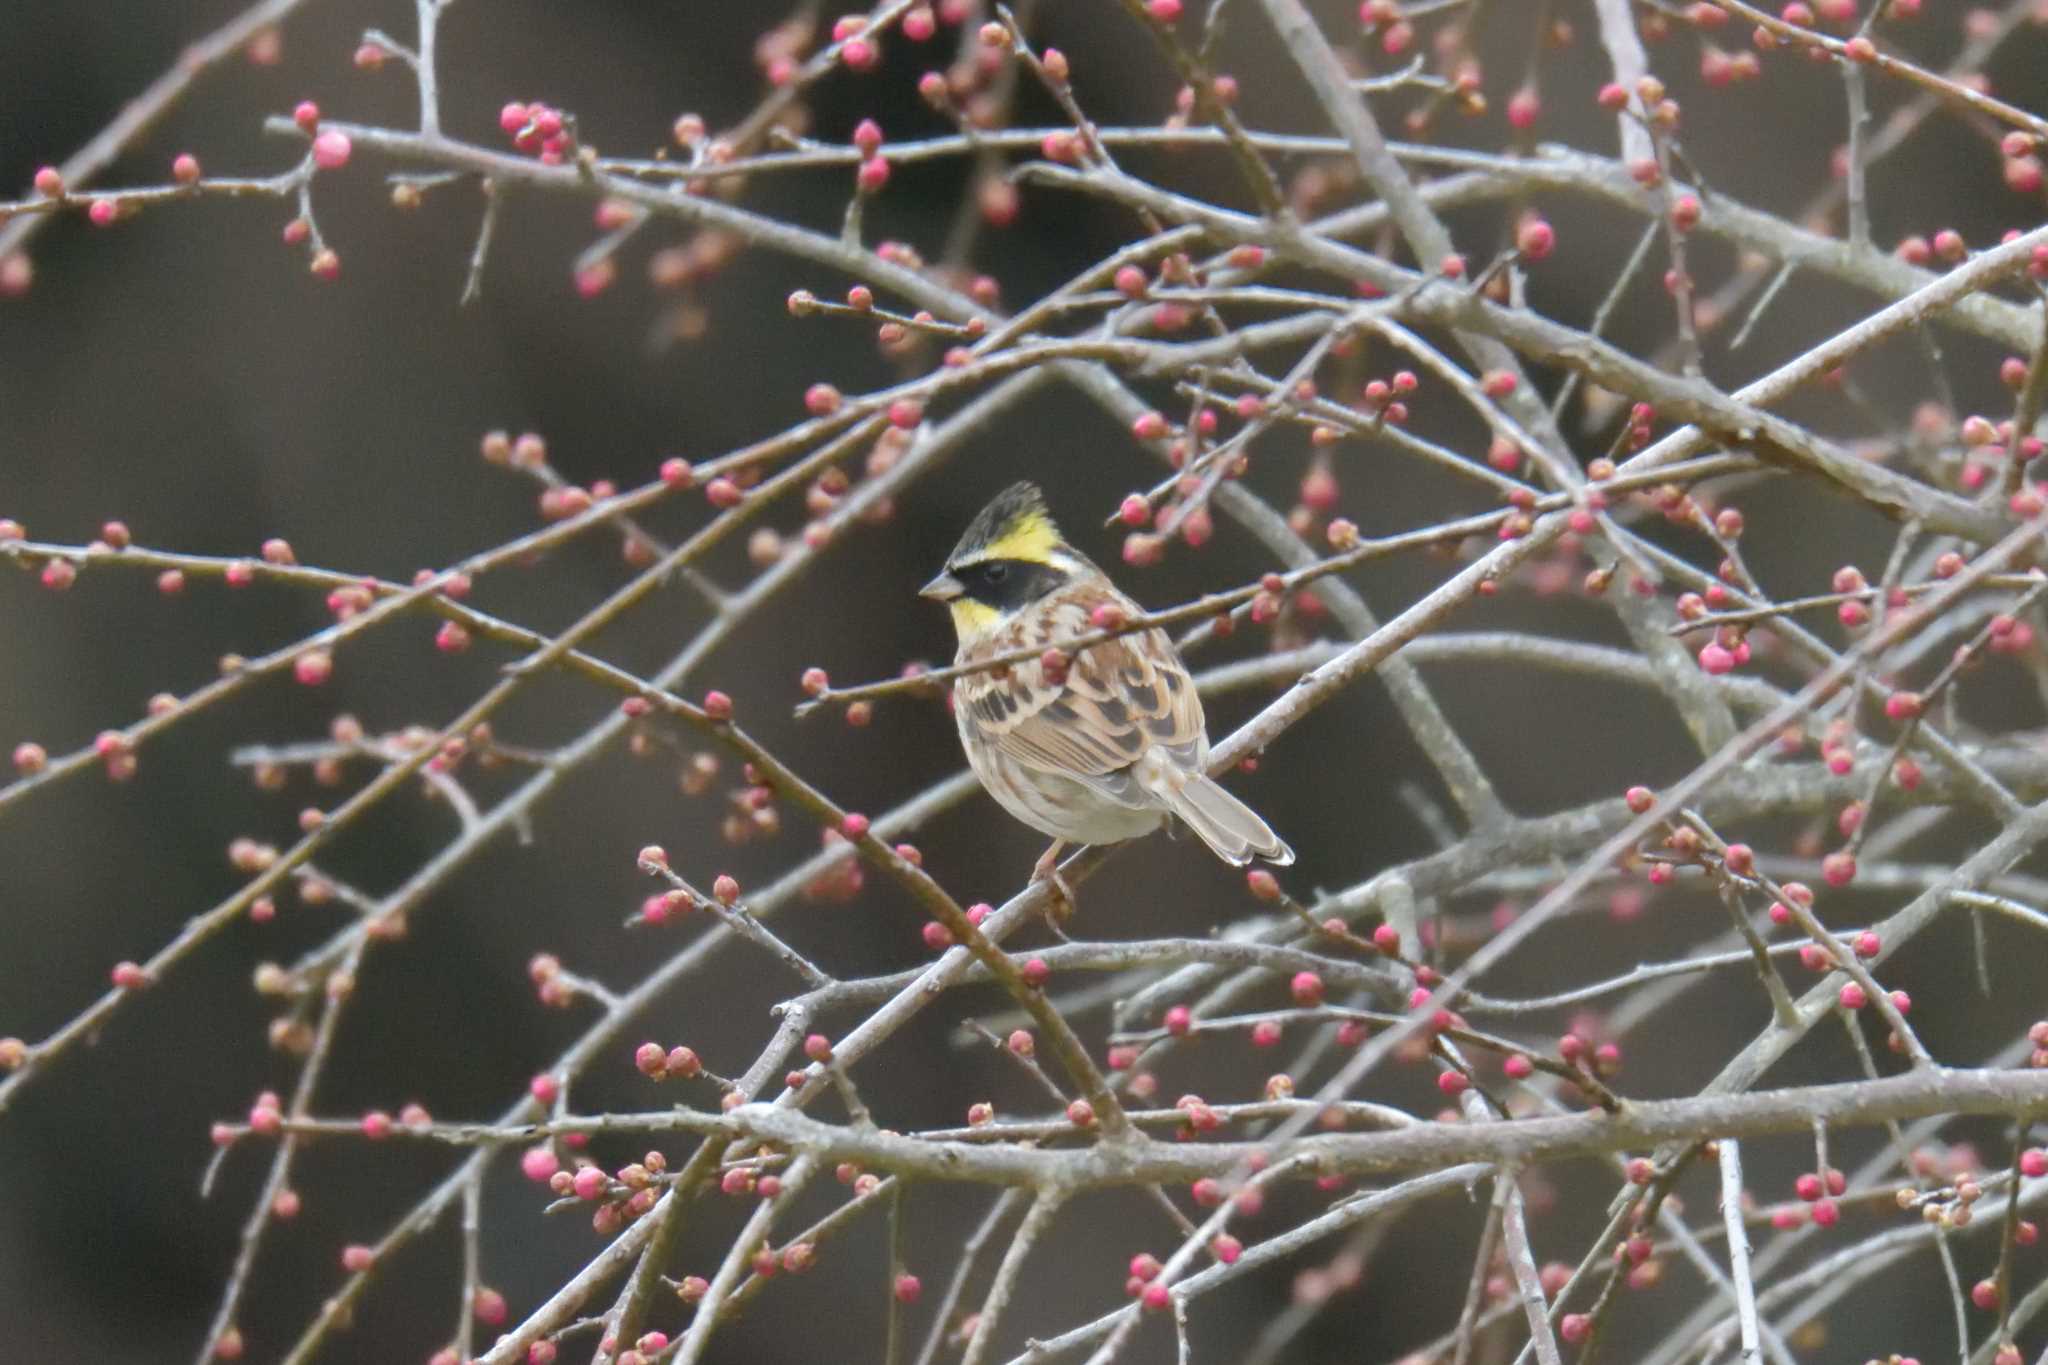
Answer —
(1091, 747)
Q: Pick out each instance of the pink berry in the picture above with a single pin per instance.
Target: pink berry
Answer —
(1839, 868)
(331, 150)
(539, 1164)
(1535, 239)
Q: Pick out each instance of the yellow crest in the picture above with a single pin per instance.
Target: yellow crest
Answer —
(1015, 525)
(1030, 535)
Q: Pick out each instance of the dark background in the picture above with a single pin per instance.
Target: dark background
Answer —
(183, 371)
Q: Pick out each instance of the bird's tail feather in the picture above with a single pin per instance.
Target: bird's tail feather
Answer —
(1231, 829)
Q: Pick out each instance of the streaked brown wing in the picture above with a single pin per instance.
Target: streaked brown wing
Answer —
(1119, 697)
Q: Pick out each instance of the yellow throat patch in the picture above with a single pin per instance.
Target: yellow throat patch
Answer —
(971, 618)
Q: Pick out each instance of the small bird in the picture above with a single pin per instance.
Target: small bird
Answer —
(1102, 749)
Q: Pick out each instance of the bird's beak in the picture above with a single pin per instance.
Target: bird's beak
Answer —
(944, 588)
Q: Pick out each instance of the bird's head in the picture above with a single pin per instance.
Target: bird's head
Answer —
(1010, 556)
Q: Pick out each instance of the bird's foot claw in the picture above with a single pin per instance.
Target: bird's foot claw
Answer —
(1062, 905)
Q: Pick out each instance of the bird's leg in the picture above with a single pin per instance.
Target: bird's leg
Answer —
(1062, 906)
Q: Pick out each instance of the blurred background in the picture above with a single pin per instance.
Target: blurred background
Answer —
(182, 371)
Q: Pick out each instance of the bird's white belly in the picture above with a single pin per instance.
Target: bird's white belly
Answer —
(1059, 806)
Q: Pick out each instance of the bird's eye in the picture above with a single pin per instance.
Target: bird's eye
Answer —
(997, 572)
